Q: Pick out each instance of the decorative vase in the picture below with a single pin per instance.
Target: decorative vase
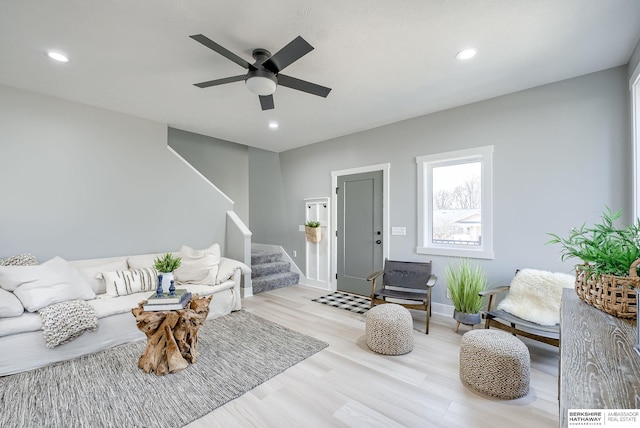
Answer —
(167, 282)
(466, 319)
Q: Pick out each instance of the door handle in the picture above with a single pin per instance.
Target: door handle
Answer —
(378, 242)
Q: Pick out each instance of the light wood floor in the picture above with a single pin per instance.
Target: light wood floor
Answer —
(348, 385)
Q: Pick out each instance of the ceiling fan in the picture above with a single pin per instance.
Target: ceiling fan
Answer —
(264, 74)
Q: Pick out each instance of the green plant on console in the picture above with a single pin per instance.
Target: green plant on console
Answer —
(312, 224)
(603, 247)
(464, 282)
(168, 263)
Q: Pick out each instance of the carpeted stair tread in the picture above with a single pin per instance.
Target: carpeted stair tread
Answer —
(260, 256)
(269, 271)
(272, 282)
(265, 269)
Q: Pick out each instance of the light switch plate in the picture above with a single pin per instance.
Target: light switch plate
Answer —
(398, 230)
(301, 228)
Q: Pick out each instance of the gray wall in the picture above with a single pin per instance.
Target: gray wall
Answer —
(269, 220)
(224, 163)
(562, 152)
(82, 182)
(634, 61)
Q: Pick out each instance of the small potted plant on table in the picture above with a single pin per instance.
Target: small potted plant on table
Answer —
(464, 282)
(165, 266)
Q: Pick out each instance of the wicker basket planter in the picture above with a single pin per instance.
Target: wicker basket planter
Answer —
(612, 294)
(314, 234)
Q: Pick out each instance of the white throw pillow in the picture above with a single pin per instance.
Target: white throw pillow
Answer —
(51, 282)
(93, 274)
(10, 305)
(143, 261)
(535, 295)
(125, 282)
(198, 266)
(227, 268)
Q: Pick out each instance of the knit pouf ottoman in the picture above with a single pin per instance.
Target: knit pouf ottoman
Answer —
(495, 363)
(389, 329)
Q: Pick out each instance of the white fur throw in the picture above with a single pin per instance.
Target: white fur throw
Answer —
(535, 295)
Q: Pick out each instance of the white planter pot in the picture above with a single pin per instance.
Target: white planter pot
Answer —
(167, 277)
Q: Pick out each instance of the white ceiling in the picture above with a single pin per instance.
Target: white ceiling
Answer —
(385, 60)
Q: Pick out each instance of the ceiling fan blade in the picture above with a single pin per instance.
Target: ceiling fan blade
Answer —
(222, 51)
(303, 85)
(220, 81)
(296, 49)
(266, 102)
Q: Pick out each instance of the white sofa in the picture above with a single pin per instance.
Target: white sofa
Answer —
(23, 346)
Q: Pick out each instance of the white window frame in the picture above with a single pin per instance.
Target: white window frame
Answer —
(634, 86)
(425, 165)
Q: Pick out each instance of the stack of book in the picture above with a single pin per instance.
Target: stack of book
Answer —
(167, 302)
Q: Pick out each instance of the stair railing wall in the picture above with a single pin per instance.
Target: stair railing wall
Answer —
(238, 247)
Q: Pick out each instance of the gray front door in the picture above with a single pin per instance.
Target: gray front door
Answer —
(359, 230)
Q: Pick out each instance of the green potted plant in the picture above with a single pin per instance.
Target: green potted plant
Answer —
(166, 265)
(465, 281)
(610, 257)
(312, 231)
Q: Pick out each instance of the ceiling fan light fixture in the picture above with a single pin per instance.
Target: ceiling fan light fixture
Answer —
(261, 82)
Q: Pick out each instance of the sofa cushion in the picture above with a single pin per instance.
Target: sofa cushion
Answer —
(146, 260)
(198, 266)
(123, 304)
(93, 273)
(228, 267)
(10, 305)
(22, 324)
(125, 282)
(51, 282)
(24, 259)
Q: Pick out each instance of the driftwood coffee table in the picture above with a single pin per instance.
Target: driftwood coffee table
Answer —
(172, 336)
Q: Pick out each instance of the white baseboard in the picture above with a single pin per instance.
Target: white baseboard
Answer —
(442, 309)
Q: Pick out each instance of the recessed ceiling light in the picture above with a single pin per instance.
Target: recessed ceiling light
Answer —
(466, 54)
(273, 125)
(57, 56)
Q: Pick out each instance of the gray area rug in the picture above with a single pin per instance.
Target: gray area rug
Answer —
(239, 351)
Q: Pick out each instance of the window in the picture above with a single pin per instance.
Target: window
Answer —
(635, 111)
(454, 203)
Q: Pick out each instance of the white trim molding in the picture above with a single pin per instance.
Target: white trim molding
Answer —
(425, 165)
(635, 125)
(385, 168)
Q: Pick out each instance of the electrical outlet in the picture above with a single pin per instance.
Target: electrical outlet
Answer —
(448, 294)
(295, 254)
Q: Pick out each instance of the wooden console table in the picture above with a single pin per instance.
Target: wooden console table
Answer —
(599, 367)
(172, 336)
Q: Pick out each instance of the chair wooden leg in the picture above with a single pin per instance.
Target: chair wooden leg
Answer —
(427, 327)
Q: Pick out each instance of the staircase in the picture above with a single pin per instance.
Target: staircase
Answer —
(269, 272)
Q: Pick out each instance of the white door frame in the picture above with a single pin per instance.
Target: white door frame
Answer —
(384, 167)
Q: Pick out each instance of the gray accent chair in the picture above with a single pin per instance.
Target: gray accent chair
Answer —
(405, 283)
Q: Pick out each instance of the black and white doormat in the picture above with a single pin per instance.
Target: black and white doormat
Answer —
(350, 302)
